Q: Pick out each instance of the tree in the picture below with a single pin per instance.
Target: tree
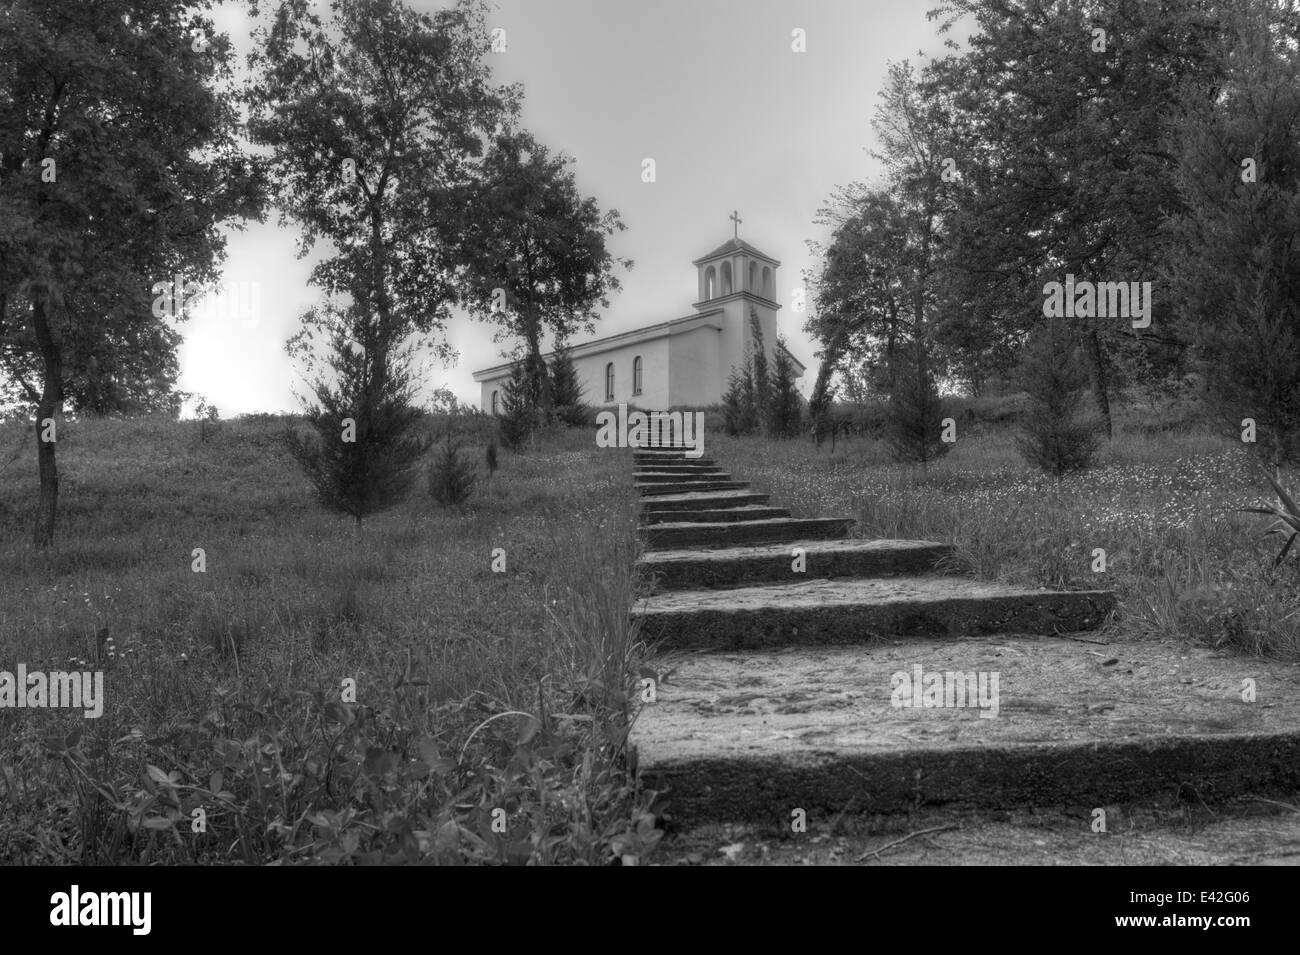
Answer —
(1056, 436)
(762, 383)
(884, 273)
(914, 419)
(520, 409)
(451, 480)
(369, 440)
(785, 413)
(376, 121)
(739, 408)
(1056, 133)
(566, 389)
(534, 257)
(1236, 271)
(119, 163)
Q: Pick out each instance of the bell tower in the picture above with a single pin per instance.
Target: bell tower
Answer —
(737, 278)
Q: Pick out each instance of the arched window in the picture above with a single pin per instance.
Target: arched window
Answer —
(609, 382)
(726, 278)
(636, 375)
(767, 283)
(753, 277)
(710, 283)
(494, 403)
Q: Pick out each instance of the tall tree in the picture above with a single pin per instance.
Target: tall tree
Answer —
(1236, 271)
(1056, 122)
(119, 162)
(883, 277)
(535, 257)
(376, 116)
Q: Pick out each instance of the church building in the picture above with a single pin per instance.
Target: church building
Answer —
(682, 362)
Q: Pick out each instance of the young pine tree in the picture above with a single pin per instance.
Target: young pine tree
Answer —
(1056, 435)
(762, 382)
(914, 416)
(566, 391)
(739, 408)
(520, 415)
(368, 441)
(451, 480)
(785, 410)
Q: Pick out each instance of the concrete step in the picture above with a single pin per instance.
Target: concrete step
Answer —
(677, 569)
(676, 468)
(683, 487)
(717, 515)
(678, 477)
(703, 500)
(741, 737)
(860, 611)
(663, 454)
(686, 534)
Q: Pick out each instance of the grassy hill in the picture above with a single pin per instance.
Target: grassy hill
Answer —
(490, 709)
(229, 682)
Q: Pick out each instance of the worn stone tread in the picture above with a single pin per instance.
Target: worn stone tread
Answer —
(754, 735)
(860, 611)
(684, 486)
(702, 500)
(721, 567)
(720, 515)
(687, 534)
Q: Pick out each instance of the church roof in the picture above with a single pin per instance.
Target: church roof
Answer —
(735, 245)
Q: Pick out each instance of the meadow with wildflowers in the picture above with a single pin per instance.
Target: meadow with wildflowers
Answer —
(490, 707)
(1163, 505)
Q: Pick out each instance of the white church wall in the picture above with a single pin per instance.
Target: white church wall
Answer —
(654, 375)
(694, 377)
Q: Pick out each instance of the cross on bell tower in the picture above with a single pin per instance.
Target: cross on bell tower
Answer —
(736, 221)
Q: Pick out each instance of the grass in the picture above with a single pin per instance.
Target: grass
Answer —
(1162, 505)
(490, 708)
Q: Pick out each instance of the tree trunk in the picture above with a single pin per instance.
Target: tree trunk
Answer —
(47, 410)
(1100, 381)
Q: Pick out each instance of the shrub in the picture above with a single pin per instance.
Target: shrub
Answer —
(451, 480)
(785, 410)
(566, 390)
(914, 417)
(519, 415)
(368, 439)
(739, 405)
(1056, 436)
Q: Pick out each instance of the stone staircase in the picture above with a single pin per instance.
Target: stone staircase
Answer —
(781, 641)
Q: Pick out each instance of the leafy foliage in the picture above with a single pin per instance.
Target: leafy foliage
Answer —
(537, 242)
(1236, 265)
(119, 164)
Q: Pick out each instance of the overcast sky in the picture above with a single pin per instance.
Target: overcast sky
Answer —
(710, 89)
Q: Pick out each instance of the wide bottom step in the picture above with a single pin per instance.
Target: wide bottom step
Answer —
(995, 722)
